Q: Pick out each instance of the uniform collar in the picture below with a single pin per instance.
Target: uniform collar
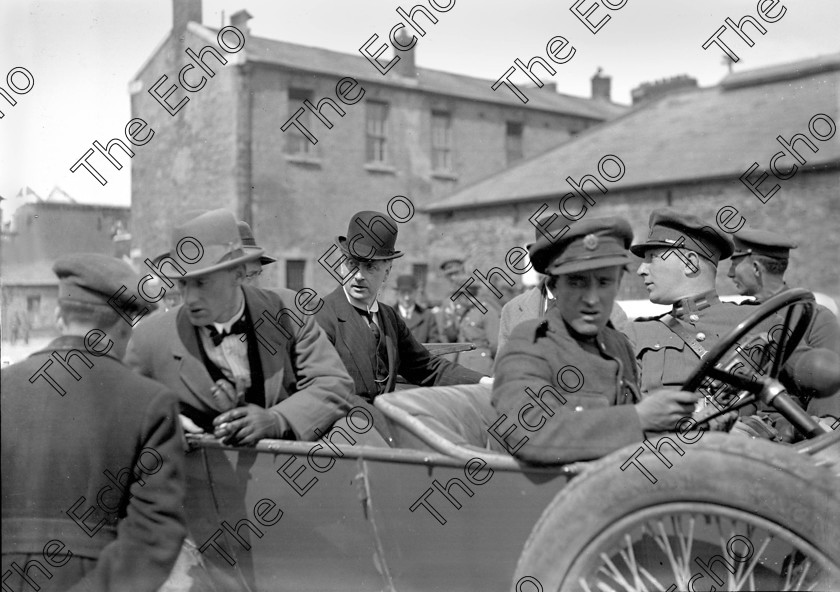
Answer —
(694, 304)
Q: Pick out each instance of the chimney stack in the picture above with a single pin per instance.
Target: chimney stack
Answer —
(239, 19)
(406, 67)
(601, 86)
(184, 11)
(652, 90)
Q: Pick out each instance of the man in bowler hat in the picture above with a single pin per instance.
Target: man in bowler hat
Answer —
(372, 339)
(569, 378)
(244, 362)
(419, 320)
(93, 475)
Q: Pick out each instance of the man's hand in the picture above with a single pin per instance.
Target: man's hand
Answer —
(227, 394)
(663, 409)
(189, 425)
(246, 425)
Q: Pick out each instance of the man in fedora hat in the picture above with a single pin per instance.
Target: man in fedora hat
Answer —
(419, 320)
(93, 475)
(533, 303)
(569, 380)
(244, 365)
(373, 341)
(253, 269)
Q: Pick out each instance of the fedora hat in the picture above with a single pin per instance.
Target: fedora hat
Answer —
(371, 236)
(210, 242)
(249, 243)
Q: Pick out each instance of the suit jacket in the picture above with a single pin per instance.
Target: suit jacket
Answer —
(531, 305)
(423, 325)
(595, 415)
(304, 380)
(354, 342)
(56, 451)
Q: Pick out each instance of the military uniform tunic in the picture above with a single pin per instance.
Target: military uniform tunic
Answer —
(596, 378)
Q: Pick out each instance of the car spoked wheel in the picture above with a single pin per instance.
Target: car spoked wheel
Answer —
(683, 546)
(720, 512)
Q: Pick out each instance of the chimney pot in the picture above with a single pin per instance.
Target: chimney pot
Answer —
(406, 67)
(184, 11)
(601, 86)
(239, 19)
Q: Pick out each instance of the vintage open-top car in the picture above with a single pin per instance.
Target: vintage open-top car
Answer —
(441, 511)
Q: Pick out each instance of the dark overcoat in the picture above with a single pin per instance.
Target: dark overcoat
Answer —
(304, 379)
(423, 325)
(593, 414)
(62, 453)
(355, 343)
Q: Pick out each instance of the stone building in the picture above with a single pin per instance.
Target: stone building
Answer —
(687, 149)
(37, 234)
(415, 132)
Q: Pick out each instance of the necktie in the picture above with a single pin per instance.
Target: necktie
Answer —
(381, 355)
(377, 332)
(240, 327)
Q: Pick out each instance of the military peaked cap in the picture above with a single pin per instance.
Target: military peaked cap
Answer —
(678, 230)
(589, 244)
(762, 242)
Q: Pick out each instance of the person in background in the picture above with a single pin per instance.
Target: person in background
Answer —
(93, 469)
(419, 320)
(757, 269)
(451, 313)
(373, 341)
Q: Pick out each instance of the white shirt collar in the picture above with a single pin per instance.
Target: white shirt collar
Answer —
(361, 305)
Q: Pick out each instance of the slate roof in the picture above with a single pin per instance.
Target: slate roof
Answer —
(333, 63)
(687, 136)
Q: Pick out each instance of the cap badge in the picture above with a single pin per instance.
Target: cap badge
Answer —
(590, 242)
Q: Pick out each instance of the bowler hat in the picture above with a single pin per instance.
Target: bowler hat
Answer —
(249, 243)
(406, 283)
(209, 242)
(371, 236)
(673, 229)
(762, 242)
(588, 244)
(94, 279)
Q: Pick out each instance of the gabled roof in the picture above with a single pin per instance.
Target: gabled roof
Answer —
(687, 136)
(333, 63)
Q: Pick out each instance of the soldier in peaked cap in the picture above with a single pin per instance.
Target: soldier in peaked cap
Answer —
(93, 491)
(534, 303)
(570, 378)
(757, 269)
(244, 363)
(452, 313)
(372, 339)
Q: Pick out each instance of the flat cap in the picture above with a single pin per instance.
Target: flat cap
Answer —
(675, 229)
(93, 279)
(588, 244)
(762, 242)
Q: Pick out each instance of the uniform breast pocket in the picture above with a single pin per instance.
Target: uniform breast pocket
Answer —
(584, 401)
(664, 363)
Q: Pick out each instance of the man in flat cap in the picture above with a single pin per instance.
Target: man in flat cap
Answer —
(757, 269)
(419, 320)
(244, 362)
(533, 303)
(373, 341)
(570, 379)
(93, 475)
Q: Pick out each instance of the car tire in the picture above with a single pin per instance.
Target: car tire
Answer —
(719, 474)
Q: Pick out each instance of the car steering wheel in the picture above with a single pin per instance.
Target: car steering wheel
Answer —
(767, 387)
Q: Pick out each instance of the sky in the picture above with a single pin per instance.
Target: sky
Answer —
(83, 54)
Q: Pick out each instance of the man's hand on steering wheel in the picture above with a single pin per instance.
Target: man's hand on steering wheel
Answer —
(663, 409)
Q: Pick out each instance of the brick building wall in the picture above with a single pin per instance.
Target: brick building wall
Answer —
(807, 209)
